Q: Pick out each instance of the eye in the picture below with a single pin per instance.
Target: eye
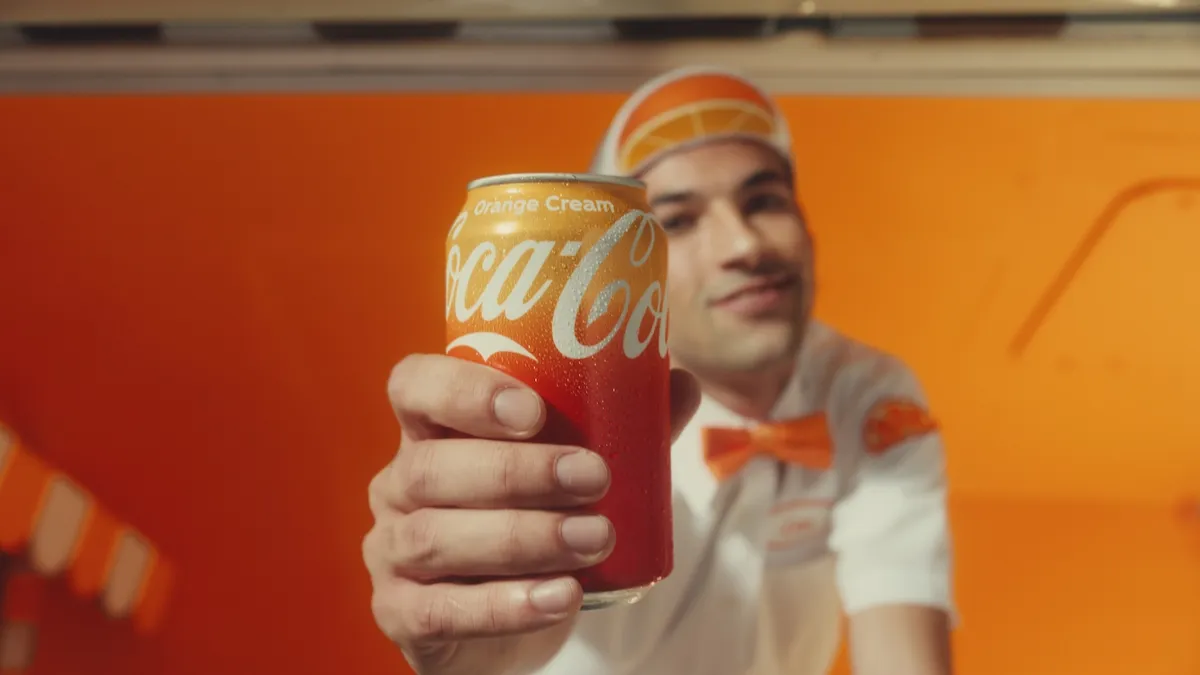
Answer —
(677, 222)
(768, 202)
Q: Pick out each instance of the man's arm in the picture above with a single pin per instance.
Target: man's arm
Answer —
(900, 640)
(890, 528)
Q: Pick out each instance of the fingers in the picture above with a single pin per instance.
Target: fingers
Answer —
(412, 613)
(445, 543)
(429, 392)
(685, 399)
(452, 512)
(471, 473)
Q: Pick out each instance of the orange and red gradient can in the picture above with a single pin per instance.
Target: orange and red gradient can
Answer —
(560, 281)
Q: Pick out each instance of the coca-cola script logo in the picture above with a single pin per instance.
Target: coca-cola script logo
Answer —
(525, 261)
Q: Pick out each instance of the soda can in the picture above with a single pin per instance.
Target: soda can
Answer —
(559, 280)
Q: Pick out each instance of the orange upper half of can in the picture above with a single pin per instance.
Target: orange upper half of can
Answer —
(562, 209)
(556, 270)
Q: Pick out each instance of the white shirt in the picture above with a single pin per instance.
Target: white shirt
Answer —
(767, 561)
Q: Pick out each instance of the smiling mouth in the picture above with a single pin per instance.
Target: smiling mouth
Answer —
(775, 284)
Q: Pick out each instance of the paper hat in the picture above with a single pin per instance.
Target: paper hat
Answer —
(684, 108)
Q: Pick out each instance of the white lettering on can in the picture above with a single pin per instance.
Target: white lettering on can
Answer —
(528, 258)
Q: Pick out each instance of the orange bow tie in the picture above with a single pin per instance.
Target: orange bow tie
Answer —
(804, 441)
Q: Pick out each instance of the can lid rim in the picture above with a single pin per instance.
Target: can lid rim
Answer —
(506, 178)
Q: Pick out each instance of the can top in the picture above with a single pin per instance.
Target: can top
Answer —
(507, 178)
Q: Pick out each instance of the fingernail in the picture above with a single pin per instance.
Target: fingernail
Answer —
(582, 473)
(517, 409)
(586, 535)
(553, 597)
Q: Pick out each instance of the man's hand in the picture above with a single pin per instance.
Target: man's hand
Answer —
(468, 496)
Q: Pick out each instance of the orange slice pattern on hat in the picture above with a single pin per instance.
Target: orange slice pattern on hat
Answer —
(689, 108)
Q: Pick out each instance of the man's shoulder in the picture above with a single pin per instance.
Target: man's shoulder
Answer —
(873, 400)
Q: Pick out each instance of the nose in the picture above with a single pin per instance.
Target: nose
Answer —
(736, 242)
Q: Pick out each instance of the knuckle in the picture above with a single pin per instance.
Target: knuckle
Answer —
(513, 549)
(398, 378)
(415, 541)
(470, 389)
(409, 380)
(378, 551)
(376, 486)
(369, 547)
(431, 619)
(508, 469)
(381, 610)
(439, 382)
(427, 615)
(493, 614)
(415, 473)
(440, 616)
(377, 490)
(480, 389)
(388, 616)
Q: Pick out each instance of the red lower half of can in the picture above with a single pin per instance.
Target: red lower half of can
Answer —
(638, 502)
(620, 409)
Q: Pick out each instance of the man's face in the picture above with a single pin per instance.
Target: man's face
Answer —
(740, 282)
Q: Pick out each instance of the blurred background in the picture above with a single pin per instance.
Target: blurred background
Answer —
(222, 222)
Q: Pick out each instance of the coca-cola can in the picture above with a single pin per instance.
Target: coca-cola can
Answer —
(560, 281)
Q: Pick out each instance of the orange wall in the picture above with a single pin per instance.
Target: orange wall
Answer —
(201, 298)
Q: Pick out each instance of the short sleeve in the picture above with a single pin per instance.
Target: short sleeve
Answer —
(889, 529)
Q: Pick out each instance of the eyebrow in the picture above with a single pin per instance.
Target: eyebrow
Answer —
(763, 177)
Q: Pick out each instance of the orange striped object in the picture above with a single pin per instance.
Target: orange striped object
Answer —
(59, 528)
(22, 481)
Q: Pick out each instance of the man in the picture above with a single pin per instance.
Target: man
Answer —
(808, 483)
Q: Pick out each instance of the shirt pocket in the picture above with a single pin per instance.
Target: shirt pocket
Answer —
(798, 531)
